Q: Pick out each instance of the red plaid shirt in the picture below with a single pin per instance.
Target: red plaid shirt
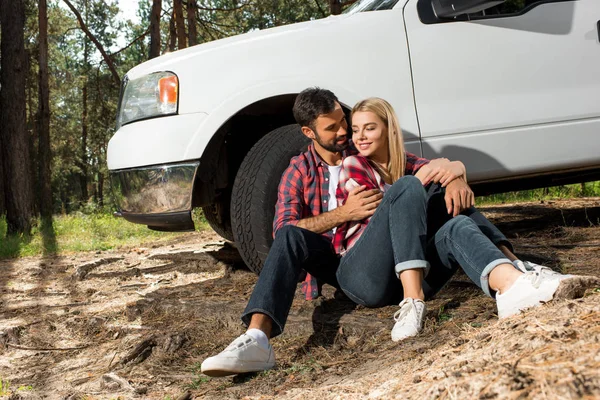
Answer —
(304, 192)
(358, 171)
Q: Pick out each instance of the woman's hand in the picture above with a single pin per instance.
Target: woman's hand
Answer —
(441, 170)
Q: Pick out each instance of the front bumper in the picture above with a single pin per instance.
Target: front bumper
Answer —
(158, 196)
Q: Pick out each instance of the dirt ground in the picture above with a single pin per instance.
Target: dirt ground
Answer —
(137, 323)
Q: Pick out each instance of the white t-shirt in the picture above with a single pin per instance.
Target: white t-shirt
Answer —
(334, 180)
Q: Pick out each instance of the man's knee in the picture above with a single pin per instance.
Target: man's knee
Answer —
(288, 232)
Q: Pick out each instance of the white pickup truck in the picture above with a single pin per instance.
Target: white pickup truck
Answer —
(516, 97)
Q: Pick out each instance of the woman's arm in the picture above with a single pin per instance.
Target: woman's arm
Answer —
(441, 170)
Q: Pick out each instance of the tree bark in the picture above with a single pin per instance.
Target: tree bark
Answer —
(179, 24)
(105, 56)
(155, 28)
(2, 192)
(192, 7)
(44, 154)
(83, 177)
(335, 7)
(83, 155)
(172, 33)
(18, 182)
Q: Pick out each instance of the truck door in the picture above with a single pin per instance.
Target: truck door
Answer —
(509, 94)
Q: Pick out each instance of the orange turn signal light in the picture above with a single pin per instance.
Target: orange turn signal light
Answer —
(167, 89)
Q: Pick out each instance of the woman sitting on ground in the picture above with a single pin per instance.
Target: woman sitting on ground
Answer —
(417, 256)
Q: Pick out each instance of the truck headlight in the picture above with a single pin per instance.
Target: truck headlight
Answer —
(150, 96)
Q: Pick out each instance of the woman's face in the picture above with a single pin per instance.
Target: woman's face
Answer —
(370, 136)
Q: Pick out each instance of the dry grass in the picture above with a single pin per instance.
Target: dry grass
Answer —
(151, 319)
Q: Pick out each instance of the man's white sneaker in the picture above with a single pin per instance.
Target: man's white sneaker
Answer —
(244, 354)
(535, 288)
(409, 319)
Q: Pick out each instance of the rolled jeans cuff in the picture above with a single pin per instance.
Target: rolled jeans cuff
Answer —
(485, 275)
(412, 264)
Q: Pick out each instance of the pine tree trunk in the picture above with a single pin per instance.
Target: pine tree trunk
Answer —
(155, 28)
(83, 177)
(2, 192)
(44, 155)
(83, 157)
(100, 189)
(335, 7)
(191, 21)
(179, 24)
(172, 33)
(18, 182)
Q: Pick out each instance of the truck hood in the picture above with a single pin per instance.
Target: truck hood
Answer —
(257, 38)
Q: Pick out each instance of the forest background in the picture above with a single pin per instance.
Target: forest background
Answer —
(61, 65)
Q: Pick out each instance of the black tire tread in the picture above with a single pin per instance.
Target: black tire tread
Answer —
(254, 191)
(223, 229)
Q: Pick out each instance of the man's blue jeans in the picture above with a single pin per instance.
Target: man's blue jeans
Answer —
(409, 230)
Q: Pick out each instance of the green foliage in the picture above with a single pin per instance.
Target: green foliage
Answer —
(198, 382)
(82, 232)
(589, 189)
(4, 387)
(443, 315)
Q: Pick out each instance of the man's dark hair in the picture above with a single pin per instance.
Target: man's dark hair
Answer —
(311, 103)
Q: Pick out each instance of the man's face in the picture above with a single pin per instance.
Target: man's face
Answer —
(331, 130)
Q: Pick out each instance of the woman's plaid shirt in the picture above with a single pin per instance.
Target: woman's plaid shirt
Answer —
(358, 171)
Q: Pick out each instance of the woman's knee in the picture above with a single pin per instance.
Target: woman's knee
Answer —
(363, 293)
(408, 186)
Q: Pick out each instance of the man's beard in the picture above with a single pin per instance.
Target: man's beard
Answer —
(335, 147)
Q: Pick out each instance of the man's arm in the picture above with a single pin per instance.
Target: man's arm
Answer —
(290, 204)
(361, 204)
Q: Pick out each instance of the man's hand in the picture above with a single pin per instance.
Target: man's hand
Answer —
(361, 203)
(459, 197)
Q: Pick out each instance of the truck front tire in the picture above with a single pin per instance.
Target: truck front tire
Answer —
(218, 219)
(255, 192)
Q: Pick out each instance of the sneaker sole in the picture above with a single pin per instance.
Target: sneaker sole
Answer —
(575, 287)
(218, 373)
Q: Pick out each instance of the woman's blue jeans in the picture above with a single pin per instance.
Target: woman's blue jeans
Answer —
(409, 230)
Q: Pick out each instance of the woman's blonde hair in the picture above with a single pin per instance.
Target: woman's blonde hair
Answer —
(397, 157)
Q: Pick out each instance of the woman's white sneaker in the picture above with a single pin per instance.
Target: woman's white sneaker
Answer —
(535, 288)
(409, 319)
(243, 355)
(525, 266)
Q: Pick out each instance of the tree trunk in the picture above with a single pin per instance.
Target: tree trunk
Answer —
(191, 20)
(179, 24)
(44, 156)
(335, 7)
(2, 192)
(155, 28)
(18, 182)
(172, 33)
(83, 178)
(100, 189)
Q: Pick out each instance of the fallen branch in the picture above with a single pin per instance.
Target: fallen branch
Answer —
(85, 269)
